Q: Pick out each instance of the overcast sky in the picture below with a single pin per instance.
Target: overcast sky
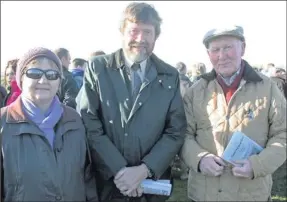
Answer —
(83, 27)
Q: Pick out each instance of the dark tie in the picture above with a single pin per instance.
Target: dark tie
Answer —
(136, 80)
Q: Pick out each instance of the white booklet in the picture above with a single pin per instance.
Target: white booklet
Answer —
(240, 147)
(159, 187)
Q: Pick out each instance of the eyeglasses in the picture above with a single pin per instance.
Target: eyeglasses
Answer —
(35, 73)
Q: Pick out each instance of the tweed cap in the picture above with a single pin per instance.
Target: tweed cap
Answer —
(33, 54)
(236, 31)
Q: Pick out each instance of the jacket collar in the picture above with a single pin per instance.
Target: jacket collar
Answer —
(249, 74)
(15, 113)
(117, 61)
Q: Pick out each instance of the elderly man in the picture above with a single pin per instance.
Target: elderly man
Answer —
(133, 111)
(232, 97)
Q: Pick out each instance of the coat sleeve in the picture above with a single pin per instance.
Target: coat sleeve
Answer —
(274, 154)
(172, 138)
(89, 108)
(191, 152)
(90, 178)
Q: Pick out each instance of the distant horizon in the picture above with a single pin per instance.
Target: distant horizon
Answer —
(83, 29)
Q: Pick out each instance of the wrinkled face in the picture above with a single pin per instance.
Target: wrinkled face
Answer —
(10, 75)
(66, 61)
(35, 85)
(138, 41)
(225, 54)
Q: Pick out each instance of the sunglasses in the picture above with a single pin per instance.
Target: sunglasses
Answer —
(35, 73)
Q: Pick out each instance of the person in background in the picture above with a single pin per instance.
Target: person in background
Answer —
(269, 69)
(185, 83)
(44, 150)
(77, 70)
(13, 90)
(69, 88)
(279, 77)
(197, 69)
(232, 98)
(131, 134)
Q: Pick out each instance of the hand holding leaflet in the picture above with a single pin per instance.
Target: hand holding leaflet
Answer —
(240, 147)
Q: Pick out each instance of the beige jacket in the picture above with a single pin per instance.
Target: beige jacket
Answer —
(258, 109)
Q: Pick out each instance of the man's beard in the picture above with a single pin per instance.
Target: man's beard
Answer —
(139, 56)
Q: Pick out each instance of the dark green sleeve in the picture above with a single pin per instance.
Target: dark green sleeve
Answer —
(172, 138)
(89, 106)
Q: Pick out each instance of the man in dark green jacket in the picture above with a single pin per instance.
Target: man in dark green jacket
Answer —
(69, 88)
(132, 109)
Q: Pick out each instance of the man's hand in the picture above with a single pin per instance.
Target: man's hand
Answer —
(244, 169)
(129, 179)
(136, 193)
(211, 165)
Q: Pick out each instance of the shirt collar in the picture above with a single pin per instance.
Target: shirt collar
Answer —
(230, 80)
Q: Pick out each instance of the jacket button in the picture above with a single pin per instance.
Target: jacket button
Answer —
(126, 134)
(219, 190)
(58, 198)
(160, 80)
(140, 103)
(111, 121)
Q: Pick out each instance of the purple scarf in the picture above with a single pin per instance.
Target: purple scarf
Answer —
(46, 122)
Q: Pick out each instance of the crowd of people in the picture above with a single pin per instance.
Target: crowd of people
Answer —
(93, 130)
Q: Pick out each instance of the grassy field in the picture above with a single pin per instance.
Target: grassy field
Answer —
(279, 192)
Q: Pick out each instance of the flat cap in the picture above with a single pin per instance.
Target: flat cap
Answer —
(236, 31)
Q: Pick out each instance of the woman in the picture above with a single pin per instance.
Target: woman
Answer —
(43, 141)
(10, 83)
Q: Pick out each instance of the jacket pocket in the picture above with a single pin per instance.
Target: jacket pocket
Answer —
(196, 186)
(258, 189)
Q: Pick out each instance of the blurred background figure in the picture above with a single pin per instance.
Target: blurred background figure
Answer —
(197, 69)
(69, 87)
(13, 91)
(77, 69)
(185, 83)
(279, 77)
(269, 69)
